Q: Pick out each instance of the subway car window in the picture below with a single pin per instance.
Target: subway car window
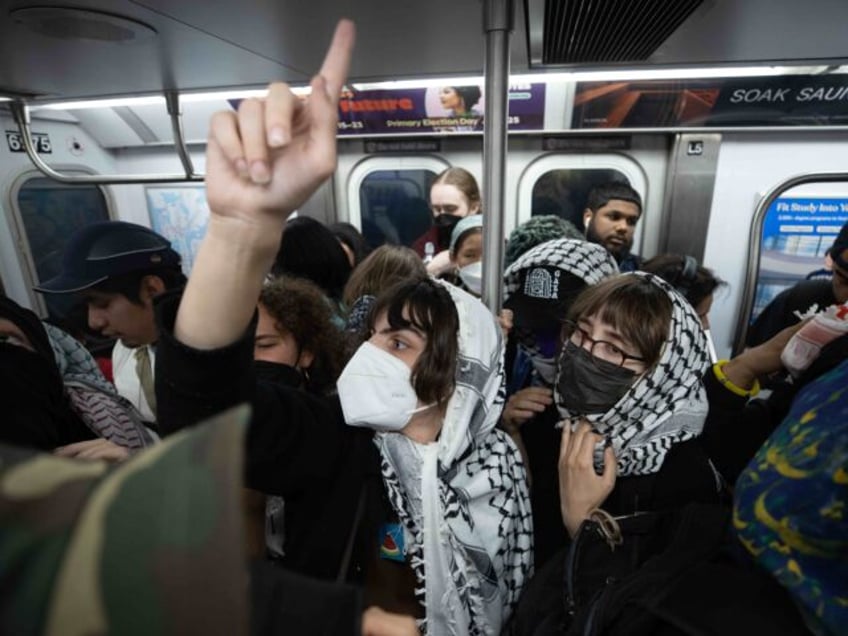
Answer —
(563, 192)
(50, 212)
(394, 206)
(797, 231)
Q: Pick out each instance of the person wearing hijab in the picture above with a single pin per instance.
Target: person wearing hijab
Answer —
(455, 482)
(539, 288)
(469, 548)
(627, 462)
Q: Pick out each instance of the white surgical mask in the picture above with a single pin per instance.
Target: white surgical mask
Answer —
(472, 277)
(375, 390)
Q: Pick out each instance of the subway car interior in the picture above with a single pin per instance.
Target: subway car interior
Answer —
(728, 117)
(702, 168)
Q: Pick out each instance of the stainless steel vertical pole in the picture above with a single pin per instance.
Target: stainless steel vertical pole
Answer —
(498, 18)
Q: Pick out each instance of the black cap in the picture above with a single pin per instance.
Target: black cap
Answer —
(543, 296)
(107, 249)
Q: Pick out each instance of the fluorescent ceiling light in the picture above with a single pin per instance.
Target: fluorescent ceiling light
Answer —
(5, 99)
(418, 83)
(186, 98)
(589, 76)
(670, 73)
(101, 103)
(151, 100)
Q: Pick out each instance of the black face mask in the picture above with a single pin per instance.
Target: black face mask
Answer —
(444, 227)
(278, 373)
(35, 412)
(589, 385)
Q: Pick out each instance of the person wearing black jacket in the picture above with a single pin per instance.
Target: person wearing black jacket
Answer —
(748, 422)
(425, 386)
(262, 163)
(610, 533)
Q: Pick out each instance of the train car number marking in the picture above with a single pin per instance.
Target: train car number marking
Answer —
(41, 141)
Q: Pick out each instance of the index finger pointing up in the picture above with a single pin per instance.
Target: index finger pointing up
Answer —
(337, 61)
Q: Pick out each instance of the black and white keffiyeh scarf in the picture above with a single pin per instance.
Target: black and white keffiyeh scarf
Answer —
(588, 261)
(463, 500)
(93, 397)
(665, 406)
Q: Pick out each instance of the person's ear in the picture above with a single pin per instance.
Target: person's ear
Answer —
(150, 287)
(587, 217)
(474, 208)
(305, 360)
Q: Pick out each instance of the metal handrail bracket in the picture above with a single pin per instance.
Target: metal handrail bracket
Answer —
(20, 112)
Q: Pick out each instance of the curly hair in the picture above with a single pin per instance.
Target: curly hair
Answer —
(299, 307)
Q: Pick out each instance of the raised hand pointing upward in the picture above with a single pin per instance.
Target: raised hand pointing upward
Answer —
(272, 155)
(261, 164)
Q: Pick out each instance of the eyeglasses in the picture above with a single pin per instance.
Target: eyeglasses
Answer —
(600, 349)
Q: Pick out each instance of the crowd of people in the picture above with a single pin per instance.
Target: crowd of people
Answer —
(411, 463)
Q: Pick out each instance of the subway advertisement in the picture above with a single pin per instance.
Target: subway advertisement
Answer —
(789, 100)
(797, 233)
(435, 109)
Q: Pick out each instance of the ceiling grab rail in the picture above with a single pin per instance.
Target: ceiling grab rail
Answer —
(749, 289)
(175, 112)
(21, 114)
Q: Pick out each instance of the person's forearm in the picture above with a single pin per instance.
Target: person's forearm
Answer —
(225, 282)
(740, 372)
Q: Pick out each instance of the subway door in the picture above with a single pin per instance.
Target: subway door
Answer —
(386, 195)
(39, 214)
(750, 165)
(554, 176)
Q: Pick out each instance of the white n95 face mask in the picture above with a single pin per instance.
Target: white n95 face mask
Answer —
(375, 390)
(472, 277)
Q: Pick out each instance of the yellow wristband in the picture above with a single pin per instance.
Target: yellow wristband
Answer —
(718, 369)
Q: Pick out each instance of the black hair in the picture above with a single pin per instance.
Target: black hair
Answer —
(602, 194)
(298, 306)
(695, 282)
(430, 309)
(129, 284)
(309, 249)
(470, 95)
(350, 236)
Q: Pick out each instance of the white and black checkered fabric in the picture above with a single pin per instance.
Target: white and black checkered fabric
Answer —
(666, 405)
(484, 525)
(588, 261)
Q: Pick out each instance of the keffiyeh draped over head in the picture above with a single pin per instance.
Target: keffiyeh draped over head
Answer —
(665, 406)
(463, 500)
(589, 262)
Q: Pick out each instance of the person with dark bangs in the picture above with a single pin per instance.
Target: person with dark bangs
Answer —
(626, 496)
(425, 506)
